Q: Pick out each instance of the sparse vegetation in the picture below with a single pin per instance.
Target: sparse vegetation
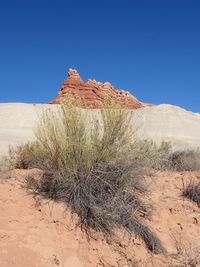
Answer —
(188, 160)
(186, 256)
(94, 165)
(192, 191)
(149, 155)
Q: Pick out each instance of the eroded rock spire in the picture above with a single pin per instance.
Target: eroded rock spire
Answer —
(93, 94)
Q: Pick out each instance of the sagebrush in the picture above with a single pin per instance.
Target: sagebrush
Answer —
(94, 165)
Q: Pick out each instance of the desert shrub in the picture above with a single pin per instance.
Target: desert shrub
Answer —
(161, 157)
(24, 156)
(192, 191)
(188, 160)
(149, 155)
(91, 163)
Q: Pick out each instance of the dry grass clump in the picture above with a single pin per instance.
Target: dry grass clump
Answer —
(92, 164)
(188, 160)
(192, 191)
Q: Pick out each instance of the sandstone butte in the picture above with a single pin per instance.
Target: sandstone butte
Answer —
(93, 94)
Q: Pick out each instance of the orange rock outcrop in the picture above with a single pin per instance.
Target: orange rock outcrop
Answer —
(93, 94)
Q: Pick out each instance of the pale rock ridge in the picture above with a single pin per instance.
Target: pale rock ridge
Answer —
(160, 123)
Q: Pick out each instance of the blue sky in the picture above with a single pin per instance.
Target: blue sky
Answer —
(150, 48)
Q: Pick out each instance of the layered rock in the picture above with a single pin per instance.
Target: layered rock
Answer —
(93, 94)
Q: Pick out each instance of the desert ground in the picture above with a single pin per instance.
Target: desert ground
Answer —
(36, 232)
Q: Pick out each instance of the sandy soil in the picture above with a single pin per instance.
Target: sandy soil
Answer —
(41, 233)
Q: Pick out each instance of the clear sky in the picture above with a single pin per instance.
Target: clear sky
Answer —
(150, 48)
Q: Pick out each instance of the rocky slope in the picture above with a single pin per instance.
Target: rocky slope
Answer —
(93, 94)
(169, 123)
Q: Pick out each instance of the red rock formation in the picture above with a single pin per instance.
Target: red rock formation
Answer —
(94, 94)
